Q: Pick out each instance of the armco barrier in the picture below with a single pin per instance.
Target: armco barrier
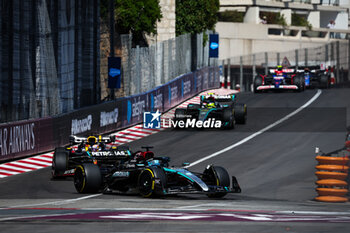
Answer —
(332, 173)
(20, 139)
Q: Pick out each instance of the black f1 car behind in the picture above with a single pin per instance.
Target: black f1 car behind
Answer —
(219, 107)
(315, 77)
(151, 176)
(92, 149)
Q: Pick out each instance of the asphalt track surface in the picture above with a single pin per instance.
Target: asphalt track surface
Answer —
(275, 170)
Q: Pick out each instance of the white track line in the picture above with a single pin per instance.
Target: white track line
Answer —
(259, 132)
(68, 201)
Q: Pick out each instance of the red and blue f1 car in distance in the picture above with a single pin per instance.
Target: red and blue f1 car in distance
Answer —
(219, 107)
(92, 149)
(147, 175)
(279, 79)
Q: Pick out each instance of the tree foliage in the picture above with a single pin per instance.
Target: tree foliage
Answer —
(136, 16)
(196, 16)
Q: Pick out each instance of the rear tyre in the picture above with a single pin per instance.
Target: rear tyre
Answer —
(299, 82)
(221, 178)
(59, 162)
(146, 182)
(324, 81)
(257, 83)
(87, 178)
(241, 113)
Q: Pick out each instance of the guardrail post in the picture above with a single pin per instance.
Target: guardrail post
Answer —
(228, 72)
(223, 74)
(241, 73)
(338, 61)
(326, 53)
(254, 67)
(349, 59)
(278, 59)
(266, 65)
(306, 56)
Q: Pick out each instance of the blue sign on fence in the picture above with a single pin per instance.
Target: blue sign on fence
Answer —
(114, 77)
(214, 45)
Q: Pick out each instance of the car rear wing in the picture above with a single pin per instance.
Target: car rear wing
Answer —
(218, 98)
(76, 140)
(288, 71)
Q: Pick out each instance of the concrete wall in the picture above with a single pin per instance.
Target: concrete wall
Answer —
(242, 39)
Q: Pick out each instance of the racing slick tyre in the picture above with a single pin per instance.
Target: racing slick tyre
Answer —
(87, 178)
(229, 117)
(59, 162)
(299, 82)
(221, 178)
(324, 81)
(241, 113)
(257, 82)
(147, 184)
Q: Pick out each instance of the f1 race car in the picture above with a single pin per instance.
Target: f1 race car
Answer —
(315, 77)
(91, 149)
(279, 79)
(223, 108)
(147, 175)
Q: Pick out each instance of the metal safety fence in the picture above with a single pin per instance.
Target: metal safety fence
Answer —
(144, 68)
(243, 69)
(49, 56)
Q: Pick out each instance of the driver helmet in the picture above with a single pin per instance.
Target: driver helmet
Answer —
(95, 148)
(211, 105)
(279, 68)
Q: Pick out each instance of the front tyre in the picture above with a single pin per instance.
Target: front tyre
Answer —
(220, 178)
(241, 113)
(59, 162)
(148, 187)
(87, 178)
(258, 81)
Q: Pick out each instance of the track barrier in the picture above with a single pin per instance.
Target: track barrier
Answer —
(332, 173)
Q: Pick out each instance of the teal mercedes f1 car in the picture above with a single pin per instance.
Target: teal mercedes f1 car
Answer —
(217, 108)
(149, 176)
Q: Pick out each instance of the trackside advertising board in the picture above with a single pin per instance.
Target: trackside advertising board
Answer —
(20, 139)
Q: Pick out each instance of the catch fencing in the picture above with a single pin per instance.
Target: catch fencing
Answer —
(243, 69)
(144, 68)
(49, 57)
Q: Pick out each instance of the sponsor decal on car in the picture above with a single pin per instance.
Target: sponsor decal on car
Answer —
(121, 174)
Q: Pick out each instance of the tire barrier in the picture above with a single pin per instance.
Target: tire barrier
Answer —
(332, 173)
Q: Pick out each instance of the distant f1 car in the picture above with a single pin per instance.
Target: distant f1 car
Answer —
(279, 79)
(223, 108)
(149, 176)
(92, 149)
(315, 77)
